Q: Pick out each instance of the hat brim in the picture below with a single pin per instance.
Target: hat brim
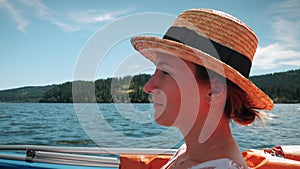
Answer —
(148, 45)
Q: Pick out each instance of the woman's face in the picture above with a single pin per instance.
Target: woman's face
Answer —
(175, 91)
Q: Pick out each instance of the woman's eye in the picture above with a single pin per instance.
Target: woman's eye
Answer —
(165, 72)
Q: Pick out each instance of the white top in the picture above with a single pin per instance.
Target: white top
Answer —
(213, 164)
(219, 164)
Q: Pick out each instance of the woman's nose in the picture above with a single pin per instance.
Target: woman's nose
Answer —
(149, 86)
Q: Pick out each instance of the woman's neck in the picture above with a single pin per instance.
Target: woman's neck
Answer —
(220, 144)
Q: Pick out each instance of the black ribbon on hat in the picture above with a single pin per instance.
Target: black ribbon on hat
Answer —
(189, 37)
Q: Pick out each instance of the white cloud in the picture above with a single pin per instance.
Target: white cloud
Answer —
(95, 16)
(16, 15)
(42, 12)
(284, 52)
(90, 16)
(276, 56)
(287, 8)
(285, 23)
(68, 22)
(287, 32)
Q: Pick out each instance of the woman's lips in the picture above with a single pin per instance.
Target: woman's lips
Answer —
(158, 105)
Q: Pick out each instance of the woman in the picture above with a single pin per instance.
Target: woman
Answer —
(201, 83)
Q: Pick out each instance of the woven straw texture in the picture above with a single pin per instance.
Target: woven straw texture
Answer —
(217, 26)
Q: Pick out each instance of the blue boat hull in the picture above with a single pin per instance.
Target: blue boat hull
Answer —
(14, 164)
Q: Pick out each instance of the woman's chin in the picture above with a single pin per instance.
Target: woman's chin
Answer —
(163, 123)
(159, 119)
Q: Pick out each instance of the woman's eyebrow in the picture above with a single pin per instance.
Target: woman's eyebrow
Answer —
(160, 64)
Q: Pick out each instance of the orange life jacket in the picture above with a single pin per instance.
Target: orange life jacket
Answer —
(255, 159)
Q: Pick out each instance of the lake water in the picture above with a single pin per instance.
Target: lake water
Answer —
(126, 125)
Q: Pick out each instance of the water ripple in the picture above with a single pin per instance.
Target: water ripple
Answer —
(57, 124)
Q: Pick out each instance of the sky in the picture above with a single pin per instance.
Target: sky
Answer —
(52, 42)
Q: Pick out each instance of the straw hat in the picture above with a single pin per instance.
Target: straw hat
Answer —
(212, 39)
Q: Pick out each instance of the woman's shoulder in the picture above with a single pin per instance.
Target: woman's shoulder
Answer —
(213, 164)
(220, 164)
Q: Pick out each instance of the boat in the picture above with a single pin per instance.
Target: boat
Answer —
(57, 157)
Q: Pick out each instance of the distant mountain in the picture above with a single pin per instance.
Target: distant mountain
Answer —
(121, 90)
(24, 94)
(127, 89)
(283, 87)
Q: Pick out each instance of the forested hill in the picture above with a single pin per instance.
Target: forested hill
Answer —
(282, 87)
(24, 94)
(120, 90)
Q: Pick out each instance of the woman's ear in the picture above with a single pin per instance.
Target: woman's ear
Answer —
(218, 90)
